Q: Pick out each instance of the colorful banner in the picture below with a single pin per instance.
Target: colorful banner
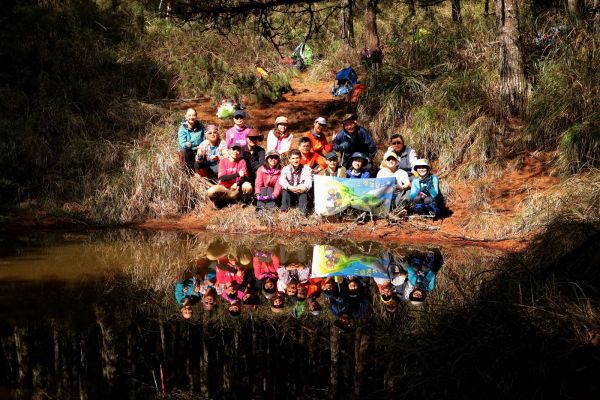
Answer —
(333, 195)
(330, 261)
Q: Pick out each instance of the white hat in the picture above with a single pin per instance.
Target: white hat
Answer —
(390, 154)
(281, 120)
(321, 121)
(422, 162)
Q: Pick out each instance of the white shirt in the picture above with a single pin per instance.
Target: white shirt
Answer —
(400, 175)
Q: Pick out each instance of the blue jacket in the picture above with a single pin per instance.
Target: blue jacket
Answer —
(424, 280)
(361, 141)
(363, 175)
(180, 295)
(429, 184)
(194, 136)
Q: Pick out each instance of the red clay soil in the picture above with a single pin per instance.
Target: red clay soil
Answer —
(506, 193)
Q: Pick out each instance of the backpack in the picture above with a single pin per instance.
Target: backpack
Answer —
(345, 81)
(302, 56)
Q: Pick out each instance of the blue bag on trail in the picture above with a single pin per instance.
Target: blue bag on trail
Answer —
(345, 81)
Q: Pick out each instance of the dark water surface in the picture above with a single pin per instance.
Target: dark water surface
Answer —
(125, 313)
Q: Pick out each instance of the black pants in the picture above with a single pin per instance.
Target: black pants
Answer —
(266, 191)
(189, 159)
(289, 199)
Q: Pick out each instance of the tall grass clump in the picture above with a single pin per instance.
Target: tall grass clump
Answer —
(563, 110)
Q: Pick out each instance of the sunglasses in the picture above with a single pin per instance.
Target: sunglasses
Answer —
(238, 117)
(256, 139)
(397, 142)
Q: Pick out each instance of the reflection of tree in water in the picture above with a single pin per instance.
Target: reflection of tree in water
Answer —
(106, 341)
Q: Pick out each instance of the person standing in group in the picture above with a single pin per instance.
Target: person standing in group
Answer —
(239, 131)
(317, 137)
(352, 139)
(295, 181)
(315, 161)
(407, 156)
(189, 137)
(210, 151)
(280, 138)
(333, 167)
(254, 154)
(233, 175)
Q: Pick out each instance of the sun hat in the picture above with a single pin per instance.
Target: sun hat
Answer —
(239, 114)
(272, 153)
(390, 154)
(349, 116)
(254, 133)
(281, 120)
(358, 154)
(422, 162)
(331, 155)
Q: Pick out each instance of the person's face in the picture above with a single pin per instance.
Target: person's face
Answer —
(391, 162)
(208, 299)
(254, 141)
(234, 152)
(212, 136)
(397, 145)
(235, 308)
(246, 296)
(272, 161)
(230, 288)
(318, 128)
(328, 287)
(291, 290)
(417, 294)
(187, 312)
(302, 291)
(278, 301)
(282, 128)
(313, 305)
(357, 163)
(353, 286)
(304, 147)
(422, 171)
(350, 126)
(333, 163)
(295, 160)
(386, 291)
(239, 121)
(190, 117)
(269, 284)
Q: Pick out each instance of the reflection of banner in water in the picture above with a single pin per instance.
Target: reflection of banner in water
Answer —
(330, 261)
(333, 195)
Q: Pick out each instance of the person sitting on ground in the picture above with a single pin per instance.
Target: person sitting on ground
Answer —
(253, 154)
(209, 152)
(308, 157)
(358, 162)
(267, 188)
(317, 137)
(390, 169)
(239, 131)
(279, 138)
(351, 139)
(235, 309)
(407, 156)
(295, 181)
(333, 166)
(277, 303)
(186, 295)
(265, 271)
(425, 192)
(232, 177)
(189, 135)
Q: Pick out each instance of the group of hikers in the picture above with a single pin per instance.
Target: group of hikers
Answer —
(281, 176)
(282, 281)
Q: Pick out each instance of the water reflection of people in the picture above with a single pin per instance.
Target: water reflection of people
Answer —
(265, 271)
(421, 272)
(290, 276)
(186, 294)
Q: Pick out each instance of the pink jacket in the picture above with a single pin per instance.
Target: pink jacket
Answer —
(236, 135)
(268, 178)
(263, 269)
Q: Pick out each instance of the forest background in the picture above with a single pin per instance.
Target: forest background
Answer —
(88, 89)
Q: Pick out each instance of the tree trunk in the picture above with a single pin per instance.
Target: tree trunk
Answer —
(372, 54)
(486, 7)
(512, 76)
(576, 10)
(347, 28)
(456, 17)
(411, 7)
(334, 347)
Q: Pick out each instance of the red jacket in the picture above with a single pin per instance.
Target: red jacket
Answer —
(319, 145)
(228, 167)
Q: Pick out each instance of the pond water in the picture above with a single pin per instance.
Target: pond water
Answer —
(126, 313)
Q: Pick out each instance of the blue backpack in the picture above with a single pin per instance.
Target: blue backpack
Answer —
(345, 81)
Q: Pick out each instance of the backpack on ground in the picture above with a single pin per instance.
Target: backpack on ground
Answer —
(344, 82)
(302, 56)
